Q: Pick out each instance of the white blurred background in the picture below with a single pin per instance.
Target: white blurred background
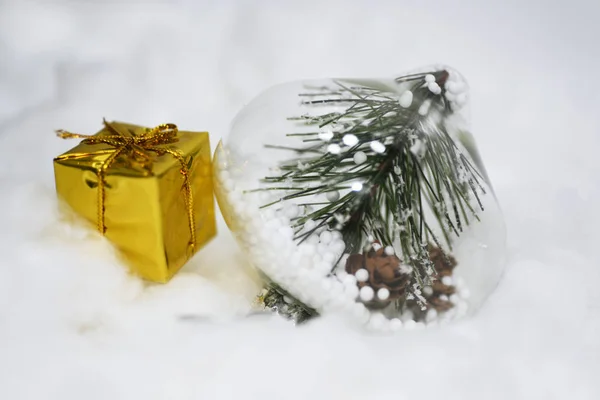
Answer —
(74, 325)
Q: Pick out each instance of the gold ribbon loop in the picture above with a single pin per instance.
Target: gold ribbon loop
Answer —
(158, 136)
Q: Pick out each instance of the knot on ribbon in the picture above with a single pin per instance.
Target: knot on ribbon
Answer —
(152, 140)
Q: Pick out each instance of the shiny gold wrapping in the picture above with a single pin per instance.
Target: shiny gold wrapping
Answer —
(143, 203)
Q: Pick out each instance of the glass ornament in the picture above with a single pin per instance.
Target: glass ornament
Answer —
(365, 198)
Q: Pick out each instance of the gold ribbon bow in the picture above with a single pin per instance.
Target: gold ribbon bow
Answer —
(137, 145)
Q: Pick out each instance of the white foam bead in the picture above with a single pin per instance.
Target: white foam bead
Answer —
(389, 250)
(410, 324)
(362, 275)
(464, 293)
(434, 88)
(309, 225)
(337, 235)
(318, 299)
(302, 273)
(427, 291)
(419, 325)
(376, 246)
(286, 281)
(316, 259)
(395, 324)
(313, 239)
(359, 157)
(406, 99)
(273, 224)
(367, 293)
(234, 197)
(450, 96)
(329, 257)
(264, 197)
(360, 312)
(334, 195)
(286, 232)
(268, 214)
(357, 186)
(383, 294)
(292, 210)
(284, 219)
(334, 148)
(335, 299)
(224, 175)
(337, 288)
(315, 275)
(326, 284)
(377, 321)
(349, 280)
(462, 308)
(447, 280)
(338, 246)
(292, 272)
(323, 268)
(352, 292)
(443, 297)
(429, 78)
(308, 248)
(248, 214)
(228, 184)
(347, 306)
(454, 299)
(377, 146)
(350, 139)
(432, 324)
(424, 109)
(322, 249)
(431, 314)
(461, 99)
(456, 87)
(326, 134)
(449, 315)
(295, 257)
(407, 316)
(325, 237)
(341, 274)
(276, 240)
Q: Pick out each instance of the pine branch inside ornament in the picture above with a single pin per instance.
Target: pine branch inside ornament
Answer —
(366, 198)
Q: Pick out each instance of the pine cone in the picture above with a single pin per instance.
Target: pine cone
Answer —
(384, 272)
(443, 264)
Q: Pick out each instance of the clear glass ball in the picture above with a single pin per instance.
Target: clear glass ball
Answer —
(364, 197)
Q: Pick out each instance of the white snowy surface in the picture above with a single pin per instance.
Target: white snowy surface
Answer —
(74, 325)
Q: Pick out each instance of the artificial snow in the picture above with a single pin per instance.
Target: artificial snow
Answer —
(75, 325)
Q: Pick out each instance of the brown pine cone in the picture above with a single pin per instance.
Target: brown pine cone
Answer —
(384, 272)
(444, 265)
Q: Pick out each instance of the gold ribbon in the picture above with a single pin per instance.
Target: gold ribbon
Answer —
(160, 135)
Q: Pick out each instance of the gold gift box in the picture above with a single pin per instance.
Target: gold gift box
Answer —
(149, 191)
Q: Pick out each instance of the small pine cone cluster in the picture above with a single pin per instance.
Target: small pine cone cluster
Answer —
(441, 289)
(383, 273)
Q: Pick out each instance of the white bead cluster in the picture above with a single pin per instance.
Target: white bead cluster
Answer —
(304, 269)
(456, 91)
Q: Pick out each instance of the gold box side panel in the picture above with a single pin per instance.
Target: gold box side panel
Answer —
(132, 214)
(176, 232)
